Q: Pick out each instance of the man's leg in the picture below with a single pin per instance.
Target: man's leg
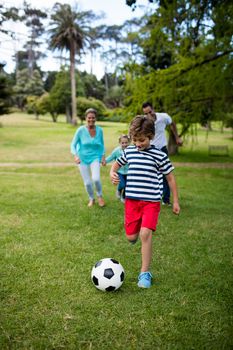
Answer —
(166, 191)
(166, 188)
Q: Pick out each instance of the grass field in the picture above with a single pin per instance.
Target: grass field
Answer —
(26, 140)
(49, 242)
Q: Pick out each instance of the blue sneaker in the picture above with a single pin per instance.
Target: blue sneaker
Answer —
(144, 280)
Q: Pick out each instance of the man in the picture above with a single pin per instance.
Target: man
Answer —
(162, 120)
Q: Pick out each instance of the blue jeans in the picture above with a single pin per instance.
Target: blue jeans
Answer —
(166, 188)
(122, 184)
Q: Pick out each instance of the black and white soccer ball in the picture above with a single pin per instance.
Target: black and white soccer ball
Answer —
(107, 275)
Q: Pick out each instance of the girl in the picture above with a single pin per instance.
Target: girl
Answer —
(124, 141)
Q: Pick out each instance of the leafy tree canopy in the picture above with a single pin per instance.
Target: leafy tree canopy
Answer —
(26, 85)
(188, 67)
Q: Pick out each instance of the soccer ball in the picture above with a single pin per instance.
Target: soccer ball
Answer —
(107, 275)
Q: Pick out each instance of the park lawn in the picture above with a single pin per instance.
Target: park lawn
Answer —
(196, 148)
(26, 140)
(50, 240)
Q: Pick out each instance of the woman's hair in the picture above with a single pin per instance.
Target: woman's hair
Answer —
(124, 136)
(142, 126)
(90, 110)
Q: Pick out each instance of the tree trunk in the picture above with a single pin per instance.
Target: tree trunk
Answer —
(106, 80)
(54, 116)
(92, 56)
(208, 125)
(73, 83)
(172, 146)
(222, 126)
(68, 115)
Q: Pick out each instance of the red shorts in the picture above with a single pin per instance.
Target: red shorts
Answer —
(140, 214)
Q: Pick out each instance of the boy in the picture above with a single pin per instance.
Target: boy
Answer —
(143, 189)
(162, 120)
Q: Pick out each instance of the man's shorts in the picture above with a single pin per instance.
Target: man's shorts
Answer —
(140, 214)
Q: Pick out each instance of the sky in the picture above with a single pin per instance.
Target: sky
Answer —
(116, 12)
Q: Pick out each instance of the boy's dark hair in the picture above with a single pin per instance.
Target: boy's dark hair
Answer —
(90, 110)
(147, 104)
(142, 126)
(124, 136)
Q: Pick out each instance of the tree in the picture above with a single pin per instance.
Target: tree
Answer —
(5, 94)
(133, 3)
(195, 85)
(112, 56)
(84, 103)
(33, 18)
(69, 31)
(49, 80)
(132, 39)
(115, 96)
(27, 85)
(91, 86)
(60, 96)
(94, 43)
(6, 14)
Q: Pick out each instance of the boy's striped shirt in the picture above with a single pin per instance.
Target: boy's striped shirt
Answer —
(144, 178)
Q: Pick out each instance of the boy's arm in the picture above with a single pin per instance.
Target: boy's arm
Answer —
(113, 173)
(172, 184)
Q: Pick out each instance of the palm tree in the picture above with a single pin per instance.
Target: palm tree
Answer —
(94, 44)
(70, 31)
(112, 33)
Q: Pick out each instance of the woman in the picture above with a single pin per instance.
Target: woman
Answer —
(87, 147)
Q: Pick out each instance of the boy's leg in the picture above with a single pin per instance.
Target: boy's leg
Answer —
(149, 221)
(133, 238)
(132, 220)
(146, 249)
(145, 277)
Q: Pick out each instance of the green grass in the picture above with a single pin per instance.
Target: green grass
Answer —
(49, 242)
(26, 140)
(196, 149)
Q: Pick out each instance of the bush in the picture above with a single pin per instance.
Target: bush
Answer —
(38, 105)
(117, 115)
(84, 103)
